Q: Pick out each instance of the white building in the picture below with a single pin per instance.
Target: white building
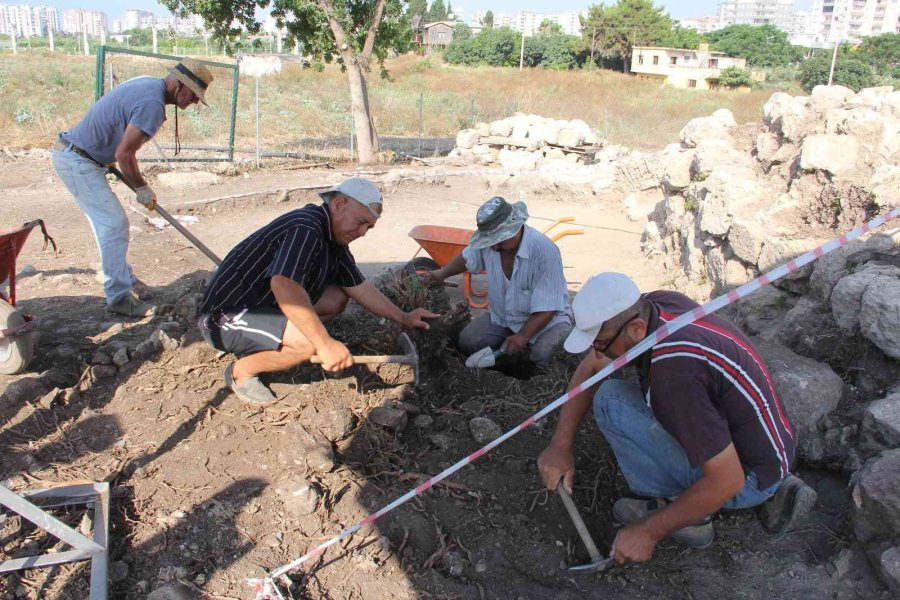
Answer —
(805, 29)
(527, 22)
(26, 21)
(755, 12)
(851, 20)
(702, 24)
(78, 20)
(134, 18)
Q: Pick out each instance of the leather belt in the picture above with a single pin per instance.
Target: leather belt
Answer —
(62, 145)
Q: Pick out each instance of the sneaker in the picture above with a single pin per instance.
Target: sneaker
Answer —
(792, 501)
(251, 392)
(131, 307)
(629, 510)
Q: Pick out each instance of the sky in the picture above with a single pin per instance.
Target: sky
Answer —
(678, 9)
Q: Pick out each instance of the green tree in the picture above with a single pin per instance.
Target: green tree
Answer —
(550, 51)
(496, 47)
(355, 33)
(735, 77)
(417, 8)
(848, 71)
(436, 12)
(548, 27)
(680, 37)
(761, 45)
(462, 32)
(488, 21)
(617, 29)
(881, 52)
(139, 37)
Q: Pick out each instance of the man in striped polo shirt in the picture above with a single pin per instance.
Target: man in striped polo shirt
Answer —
(704, 431)
(527, 316)
(273, 291)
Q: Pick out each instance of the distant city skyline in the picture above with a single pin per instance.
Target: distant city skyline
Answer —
(678, 9)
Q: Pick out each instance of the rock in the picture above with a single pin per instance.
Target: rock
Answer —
(881, 425)
(837, 154)
(889, 569)
(392, 418)
(638, 206)
(300, 497)
(724, 272)
(174, 590)
(693, 255)
(825, 97)
(767, 145)
(423, 421)
(879, 317)
(338, 424)
(776, 252)
(502, 128)
(441, 440)
(676, 167)
(484, 430)
(187, 306)
(313, 449)
(118, 571)
(809, 329)
(762, 312)
(746, 238)
(467, 138)
(840, 564)
(570, 137)
(847, 294)
(787, 116)
(875, 501)
(723, 194)
(885, 186)
(24, 390)
(725, 116)
(483, 129)
(551, 130)
(519, 160)
(808, 390)
(121, 356)
(454, 563)
(703, 128)
(187, 180)
(103, 371)
(827, 270)
(101, 358)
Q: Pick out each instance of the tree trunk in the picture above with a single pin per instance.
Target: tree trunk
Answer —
(366, 138)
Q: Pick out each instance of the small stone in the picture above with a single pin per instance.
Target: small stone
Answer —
(103, 371)
(142, 585)
(454, 564)
(423, 421)
(404, 406)
(200, 579)
(118, 571)
(49, 398)
(890, 569)
(24, 390)
(27, 270)
(178, 514)
(840, 564)
(101, 358)
(441, 440)
(392, 418)
(300, 497)
(481, 566)
(121, 356)
(473, 406)
(172, 591)
(484, 430)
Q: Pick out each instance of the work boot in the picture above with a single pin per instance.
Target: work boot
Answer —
(793, 500)
(629, 510)
(251, 392)
(131, 307)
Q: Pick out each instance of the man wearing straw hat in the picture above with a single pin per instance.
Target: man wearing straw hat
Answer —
(113, 130)
(704, 430)
(527, 315)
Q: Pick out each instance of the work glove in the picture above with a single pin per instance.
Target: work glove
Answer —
(146, 196)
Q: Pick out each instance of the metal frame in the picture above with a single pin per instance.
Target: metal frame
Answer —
(95, 495)
(99, 78)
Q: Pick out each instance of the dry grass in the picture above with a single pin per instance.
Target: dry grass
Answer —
(40, 96)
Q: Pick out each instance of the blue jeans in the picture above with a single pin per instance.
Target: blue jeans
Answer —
(86, 181)
(653, 462)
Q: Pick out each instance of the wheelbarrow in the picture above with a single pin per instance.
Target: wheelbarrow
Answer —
(443, 244)
(18, 331)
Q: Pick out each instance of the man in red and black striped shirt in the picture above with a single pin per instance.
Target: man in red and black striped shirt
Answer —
(704, 431)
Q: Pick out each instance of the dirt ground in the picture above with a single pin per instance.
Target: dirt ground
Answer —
(206, 492)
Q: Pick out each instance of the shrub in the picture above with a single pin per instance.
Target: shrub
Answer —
(849, 72)
(735, 77)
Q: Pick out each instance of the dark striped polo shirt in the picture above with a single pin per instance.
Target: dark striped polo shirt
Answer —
(297, 245)
(708, 387)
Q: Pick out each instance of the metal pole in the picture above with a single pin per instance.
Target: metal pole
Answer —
(522, 52)
(833, 60)
(421, 122)
(50, 38)
(257, 121)
(87, 49)
(351, 134)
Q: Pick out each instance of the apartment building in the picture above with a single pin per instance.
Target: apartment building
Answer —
(697, 69)
(755, 12)
(79, 20)
(851, 20)
(25, 20)
(527, 22)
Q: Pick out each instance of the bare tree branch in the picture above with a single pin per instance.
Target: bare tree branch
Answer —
(373, 28)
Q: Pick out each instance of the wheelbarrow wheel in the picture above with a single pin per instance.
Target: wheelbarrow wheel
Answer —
(15, 352)
(420, 264)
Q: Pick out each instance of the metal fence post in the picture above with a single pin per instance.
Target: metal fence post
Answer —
(421, 121)
(101, 62)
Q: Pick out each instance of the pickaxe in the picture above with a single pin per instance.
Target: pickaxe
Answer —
(598, 564)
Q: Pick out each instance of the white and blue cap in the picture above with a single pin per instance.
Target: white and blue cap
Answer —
(601, 298)
(361, 190)
(497, 221)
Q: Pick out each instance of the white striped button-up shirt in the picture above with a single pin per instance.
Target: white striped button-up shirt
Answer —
(537, 283)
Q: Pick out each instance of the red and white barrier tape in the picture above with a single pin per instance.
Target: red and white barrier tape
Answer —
(657, 336)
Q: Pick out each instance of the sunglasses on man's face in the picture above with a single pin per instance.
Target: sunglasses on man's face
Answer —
(602, 348)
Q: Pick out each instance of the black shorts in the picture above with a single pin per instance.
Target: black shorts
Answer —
(243, 331)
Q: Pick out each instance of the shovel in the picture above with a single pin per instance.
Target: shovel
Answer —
(598, 564)
(484, 358)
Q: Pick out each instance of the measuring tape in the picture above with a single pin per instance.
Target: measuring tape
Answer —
(664, 331)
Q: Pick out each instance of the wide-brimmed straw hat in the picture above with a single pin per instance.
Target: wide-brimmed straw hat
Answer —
(194, 74)
(498, 220)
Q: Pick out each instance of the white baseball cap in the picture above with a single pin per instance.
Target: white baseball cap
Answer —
(601, 298)
(361, 190)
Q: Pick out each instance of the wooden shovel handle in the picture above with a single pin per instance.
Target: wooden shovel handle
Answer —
(373, 358)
